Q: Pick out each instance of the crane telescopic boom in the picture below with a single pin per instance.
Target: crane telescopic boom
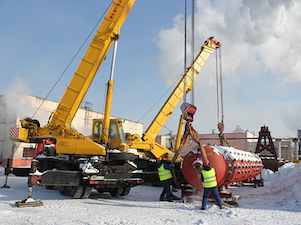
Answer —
(184, 86)
(87, 69)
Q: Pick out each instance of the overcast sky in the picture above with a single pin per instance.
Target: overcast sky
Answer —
(260, 58)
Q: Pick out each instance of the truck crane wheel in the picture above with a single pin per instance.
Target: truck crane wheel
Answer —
(87, 192)
(63, 190)
(126, 191)
(116, 191)
(76, 191)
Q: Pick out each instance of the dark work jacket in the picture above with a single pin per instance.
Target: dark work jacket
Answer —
(166, 166)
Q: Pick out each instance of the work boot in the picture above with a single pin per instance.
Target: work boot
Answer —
(169, 199)
(173, 197)
(203, 208)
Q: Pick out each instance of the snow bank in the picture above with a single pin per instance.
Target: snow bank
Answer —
(278, 202)
(284, 185)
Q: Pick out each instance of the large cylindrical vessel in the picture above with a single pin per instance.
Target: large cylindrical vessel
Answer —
(231, 165)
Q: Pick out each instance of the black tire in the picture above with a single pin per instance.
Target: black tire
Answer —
(63, 190)
(76, 191)
(87, 192)
(126, 191)
(117, 191)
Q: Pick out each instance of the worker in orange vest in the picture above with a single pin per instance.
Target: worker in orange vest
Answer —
(208, 177)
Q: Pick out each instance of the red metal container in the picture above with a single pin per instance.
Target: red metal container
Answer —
(231, 165)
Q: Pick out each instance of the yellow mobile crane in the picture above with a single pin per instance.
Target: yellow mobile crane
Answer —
(69, 166)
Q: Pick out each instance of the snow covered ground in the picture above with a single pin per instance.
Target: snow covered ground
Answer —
(278, 202)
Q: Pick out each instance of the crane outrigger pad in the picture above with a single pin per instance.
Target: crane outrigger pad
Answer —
(29, 202)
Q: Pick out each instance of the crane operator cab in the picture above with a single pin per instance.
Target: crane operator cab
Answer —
(116, 139)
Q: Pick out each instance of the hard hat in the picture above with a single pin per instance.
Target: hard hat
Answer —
(206, 162)
(159, 159)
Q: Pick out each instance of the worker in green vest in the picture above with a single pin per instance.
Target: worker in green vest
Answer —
(165, 176)
(208, 177)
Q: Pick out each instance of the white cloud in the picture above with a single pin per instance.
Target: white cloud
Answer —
(260, 49)
(265, 31)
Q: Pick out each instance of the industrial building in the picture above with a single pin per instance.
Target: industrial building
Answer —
(12, 110)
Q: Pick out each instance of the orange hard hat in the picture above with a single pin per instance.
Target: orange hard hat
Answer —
(159, 159)
(206, 162)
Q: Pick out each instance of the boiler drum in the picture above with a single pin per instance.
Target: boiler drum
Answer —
(231, 165)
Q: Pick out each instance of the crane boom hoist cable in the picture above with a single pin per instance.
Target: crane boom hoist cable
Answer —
(219, 99)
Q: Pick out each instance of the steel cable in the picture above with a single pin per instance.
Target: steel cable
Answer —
(71, 61)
